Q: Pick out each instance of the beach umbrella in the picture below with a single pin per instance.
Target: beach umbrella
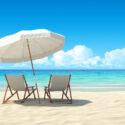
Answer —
(30, 45)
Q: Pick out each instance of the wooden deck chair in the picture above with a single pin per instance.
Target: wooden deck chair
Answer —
(18, 83)
(59, 83)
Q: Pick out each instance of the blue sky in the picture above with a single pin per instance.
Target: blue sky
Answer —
(93, 26)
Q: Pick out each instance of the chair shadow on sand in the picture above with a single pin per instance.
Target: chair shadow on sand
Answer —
(46, 103)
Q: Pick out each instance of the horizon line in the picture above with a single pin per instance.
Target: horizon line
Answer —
(65, 69)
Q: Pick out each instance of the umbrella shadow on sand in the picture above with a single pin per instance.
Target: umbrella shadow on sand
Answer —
(56, 103)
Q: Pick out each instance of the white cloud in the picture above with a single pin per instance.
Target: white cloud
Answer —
(79, 56)
(92, 61)
(115, 58)
(25, 64)
(42, 61)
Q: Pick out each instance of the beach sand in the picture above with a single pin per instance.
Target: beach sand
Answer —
(88, 108)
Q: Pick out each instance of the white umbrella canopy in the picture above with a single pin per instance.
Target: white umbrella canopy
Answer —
(42, 43)
(30, 45)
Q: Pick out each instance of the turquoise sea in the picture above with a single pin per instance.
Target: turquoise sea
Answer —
(83, 80)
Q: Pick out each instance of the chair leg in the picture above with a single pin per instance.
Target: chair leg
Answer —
(50, 97)
(17, 95)
(12, 94)
(27, 95)
(70, 100)
(24, 94)
(5, 95)
(62, 95)
(45, 95)
(10, 97)
(68, 88)
(24, 98)
(70, 95)
(33, 93)
(48, 94)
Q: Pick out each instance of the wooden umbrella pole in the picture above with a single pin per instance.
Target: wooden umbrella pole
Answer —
(33, 70)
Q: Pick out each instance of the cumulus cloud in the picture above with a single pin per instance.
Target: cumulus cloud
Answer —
(79, 56)
(26, 64)
(42, 61)
(115, 58)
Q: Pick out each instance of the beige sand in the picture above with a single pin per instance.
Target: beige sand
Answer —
(88, 108)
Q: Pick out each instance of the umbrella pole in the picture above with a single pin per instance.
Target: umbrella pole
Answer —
(33, 70)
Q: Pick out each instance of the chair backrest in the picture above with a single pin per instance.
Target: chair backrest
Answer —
(59, 82)
(16, 82)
